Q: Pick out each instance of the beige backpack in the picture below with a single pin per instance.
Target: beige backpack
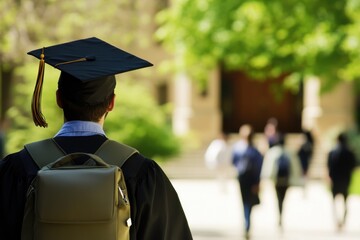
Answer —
(77, 202)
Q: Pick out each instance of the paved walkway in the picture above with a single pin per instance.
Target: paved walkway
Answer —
(215, 213)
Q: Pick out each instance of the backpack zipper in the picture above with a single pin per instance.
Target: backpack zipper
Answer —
(123, 195)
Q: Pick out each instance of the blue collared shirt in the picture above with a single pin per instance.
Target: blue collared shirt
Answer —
(80, 128)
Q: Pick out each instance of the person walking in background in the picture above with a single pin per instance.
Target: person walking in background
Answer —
(271, 131)
(248, 162)
(218, 158)
(306, 151)
(341, 163)
(217, 153)
(305, 154)
(283, 168)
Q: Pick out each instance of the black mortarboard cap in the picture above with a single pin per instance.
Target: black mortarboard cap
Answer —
(87, 63)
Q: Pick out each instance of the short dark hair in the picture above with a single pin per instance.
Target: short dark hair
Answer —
(342, 138)
(84, 111)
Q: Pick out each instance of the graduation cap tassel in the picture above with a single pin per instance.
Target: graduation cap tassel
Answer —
(38, 117)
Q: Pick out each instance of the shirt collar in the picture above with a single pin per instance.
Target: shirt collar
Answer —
(80, 128)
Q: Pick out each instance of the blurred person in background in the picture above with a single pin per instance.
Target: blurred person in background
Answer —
(341, 163)
(271, 131)
(218, 158)
(283, 168)
(248, 162)
(305, 152)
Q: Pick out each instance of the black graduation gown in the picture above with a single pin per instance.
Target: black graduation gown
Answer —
(155, 207)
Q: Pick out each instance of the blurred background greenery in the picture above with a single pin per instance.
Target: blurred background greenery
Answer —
(354, 187)
(295, 38)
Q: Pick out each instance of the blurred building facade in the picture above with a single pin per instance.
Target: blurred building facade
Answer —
(205, 114)
(232, 99)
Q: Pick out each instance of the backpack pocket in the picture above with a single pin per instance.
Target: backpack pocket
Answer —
(78, 202)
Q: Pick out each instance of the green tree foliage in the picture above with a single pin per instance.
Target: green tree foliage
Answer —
(139, 122)
(22, 129)
(264, 38)
(352, 43)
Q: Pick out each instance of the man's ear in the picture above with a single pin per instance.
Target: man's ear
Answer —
(58, 99)
(112, 104)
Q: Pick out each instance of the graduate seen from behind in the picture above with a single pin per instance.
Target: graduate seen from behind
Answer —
(86, 95)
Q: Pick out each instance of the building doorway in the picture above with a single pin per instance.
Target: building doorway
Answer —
(244, 100)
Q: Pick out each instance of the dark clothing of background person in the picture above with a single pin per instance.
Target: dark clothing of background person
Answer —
(306, 151)
(249, 177)
(282, 183)
(156, 211)
(248, 162)
(281, 188)
(341, 163)
(283, 168)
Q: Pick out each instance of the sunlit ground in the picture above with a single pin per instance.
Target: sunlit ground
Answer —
(214, 212)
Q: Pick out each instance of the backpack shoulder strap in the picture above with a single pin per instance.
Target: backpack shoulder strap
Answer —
(115, 153)
(44, 152)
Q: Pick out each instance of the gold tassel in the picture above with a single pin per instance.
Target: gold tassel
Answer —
(38, 117)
